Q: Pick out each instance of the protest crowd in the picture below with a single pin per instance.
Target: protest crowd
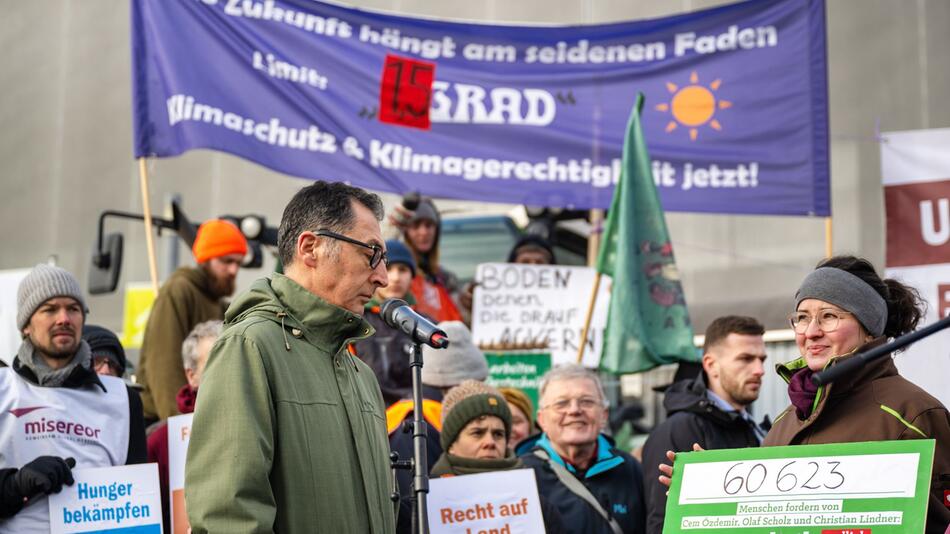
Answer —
(306, 388)
(351, 387)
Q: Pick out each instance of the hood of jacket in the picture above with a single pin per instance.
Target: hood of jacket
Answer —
(279, 299)
(199, 278)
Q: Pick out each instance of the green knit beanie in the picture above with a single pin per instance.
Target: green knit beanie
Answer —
(468, 401)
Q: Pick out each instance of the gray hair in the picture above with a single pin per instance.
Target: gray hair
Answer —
(570, 371)
(321, 205)
(201, 331)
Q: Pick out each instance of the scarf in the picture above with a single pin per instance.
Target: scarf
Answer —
(449, 464)
(802, 392)
(46, 376)
(186, 398)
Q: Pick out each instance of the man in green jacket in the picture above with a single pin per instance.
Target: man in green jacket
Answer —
(289, 433)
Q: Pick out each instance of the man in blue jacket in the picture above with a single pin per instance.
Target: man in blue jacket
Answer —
(596, 487)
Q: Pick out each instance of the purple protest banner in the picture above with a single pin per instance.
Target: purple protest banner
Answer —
(735, 115)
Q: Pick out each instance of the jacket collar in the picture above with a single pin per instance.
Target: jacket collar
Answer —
(882, 367)
(606, 458)
(280, 299)
(79, 378)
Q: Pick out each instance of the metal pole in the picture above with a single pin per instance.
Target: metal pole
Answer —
(420, 479)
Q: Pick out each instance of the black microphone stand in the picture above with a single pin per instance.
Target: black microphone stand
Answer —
(420, 471)
(419, 462)
(837, 371)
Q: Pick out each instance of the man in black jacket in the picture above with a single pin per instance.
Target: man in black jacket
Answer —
(56, 413)
(711, 409)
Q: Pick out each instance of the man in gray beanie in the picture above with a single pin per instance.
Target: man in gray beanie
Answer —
(56, 413)
(442, 370)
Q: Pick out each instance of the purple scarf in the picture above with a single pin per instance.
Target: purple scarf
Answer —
(802, 392)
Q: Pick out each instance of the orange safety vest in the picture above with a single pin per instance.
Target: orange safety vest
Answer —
(431, 412)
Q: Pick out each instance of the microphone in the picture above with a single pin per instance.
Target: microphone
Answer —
(397, 314)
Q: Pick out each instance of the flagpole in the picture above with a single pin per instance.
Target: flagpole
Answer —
(593, 247)
(147, 212)
(828, 238)
(590, 313)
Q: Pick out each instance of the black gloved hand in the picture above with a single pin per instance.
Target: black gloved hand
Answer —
(43, 476)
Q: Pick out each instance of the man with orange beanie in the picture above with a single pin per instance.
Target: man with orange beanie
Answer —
(190, 296)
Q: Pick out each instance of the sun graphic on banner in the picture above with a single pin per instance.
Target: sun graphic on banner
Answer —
(693, 105)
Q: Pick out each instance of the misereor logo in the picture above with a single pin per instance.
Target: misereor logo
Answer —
(19, 412)
(69, 428)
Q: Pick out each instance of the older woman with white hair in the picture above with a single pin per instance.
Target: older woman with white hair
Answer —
(596, 487)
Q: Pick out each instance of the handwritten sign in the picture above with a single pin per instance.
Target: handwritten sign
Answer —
(179, 434)
(501, 502)
(530, 304)
(807, 488)
(109, 499)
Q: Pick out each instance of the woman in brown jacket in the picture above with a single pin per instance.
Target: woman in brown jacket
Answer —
(842, 308)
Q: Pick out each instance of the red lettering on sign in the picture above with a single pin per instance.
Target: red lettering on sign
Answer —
(405, 92)
(943, 304)
(848, 531)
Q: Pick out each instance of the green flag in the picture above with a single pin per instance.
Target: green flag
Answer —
(648, 324)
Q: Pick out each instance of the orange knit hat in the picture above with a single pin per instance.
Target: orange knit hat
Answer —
(218, 238)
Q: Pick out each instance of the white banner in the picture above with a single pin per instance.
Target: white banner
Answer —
(518, 304)
(109, 499)
(916, 173)
(10, 336)
(504, 502)
(179, 434)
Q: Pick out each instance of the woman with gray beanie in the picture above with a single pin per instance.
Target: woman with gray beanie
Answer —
(843, 308)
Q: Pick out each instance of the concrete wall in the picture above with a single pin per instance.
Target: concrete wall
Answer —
(65, 142)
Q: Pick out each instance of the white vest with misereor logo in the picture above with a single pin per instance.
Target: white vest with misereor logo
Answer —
(87, 424)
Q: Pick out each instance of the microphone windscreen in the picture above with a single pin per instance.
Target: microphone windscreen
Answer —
(388, 309)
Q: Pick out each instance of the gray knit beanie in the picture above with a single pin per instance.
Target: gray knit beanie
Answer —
(43, 283)
(466, 402)
(461, 360)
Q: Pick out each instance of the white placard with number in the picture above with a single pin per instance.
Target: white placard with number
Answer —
(873, 476)
(515, 303)
(506, 501)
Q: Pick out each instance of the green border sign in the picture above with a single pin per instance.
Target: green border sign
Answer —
(843, 488)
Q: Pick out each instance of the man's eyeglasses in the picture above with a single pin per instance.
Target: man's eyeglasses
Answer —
(584, 403)
(828, 320)
(378, 253)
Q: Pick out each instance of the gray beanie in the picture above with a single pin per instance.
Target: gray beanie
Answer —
(43, 283)
(850, 293)
(460, 361)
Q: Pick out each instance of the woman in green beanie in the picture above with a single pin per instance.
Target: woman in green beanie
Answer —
(476, 426)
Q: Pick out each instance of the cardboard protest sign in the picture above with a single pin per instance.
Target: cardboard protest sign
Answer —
(179, 434)
(844, 487)
(522, 370)
(501, 502)
(109, 499)
(532, 304)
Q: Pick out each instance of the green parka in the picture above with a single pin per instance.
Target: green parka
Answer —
(289, 433)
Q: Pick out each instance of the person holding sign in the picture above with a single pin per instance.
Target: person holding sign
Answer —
(711, 409)
(194, 355)
(596, 487)
(289, 433)
(843, 308)
(476, 427)
(56, 413)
